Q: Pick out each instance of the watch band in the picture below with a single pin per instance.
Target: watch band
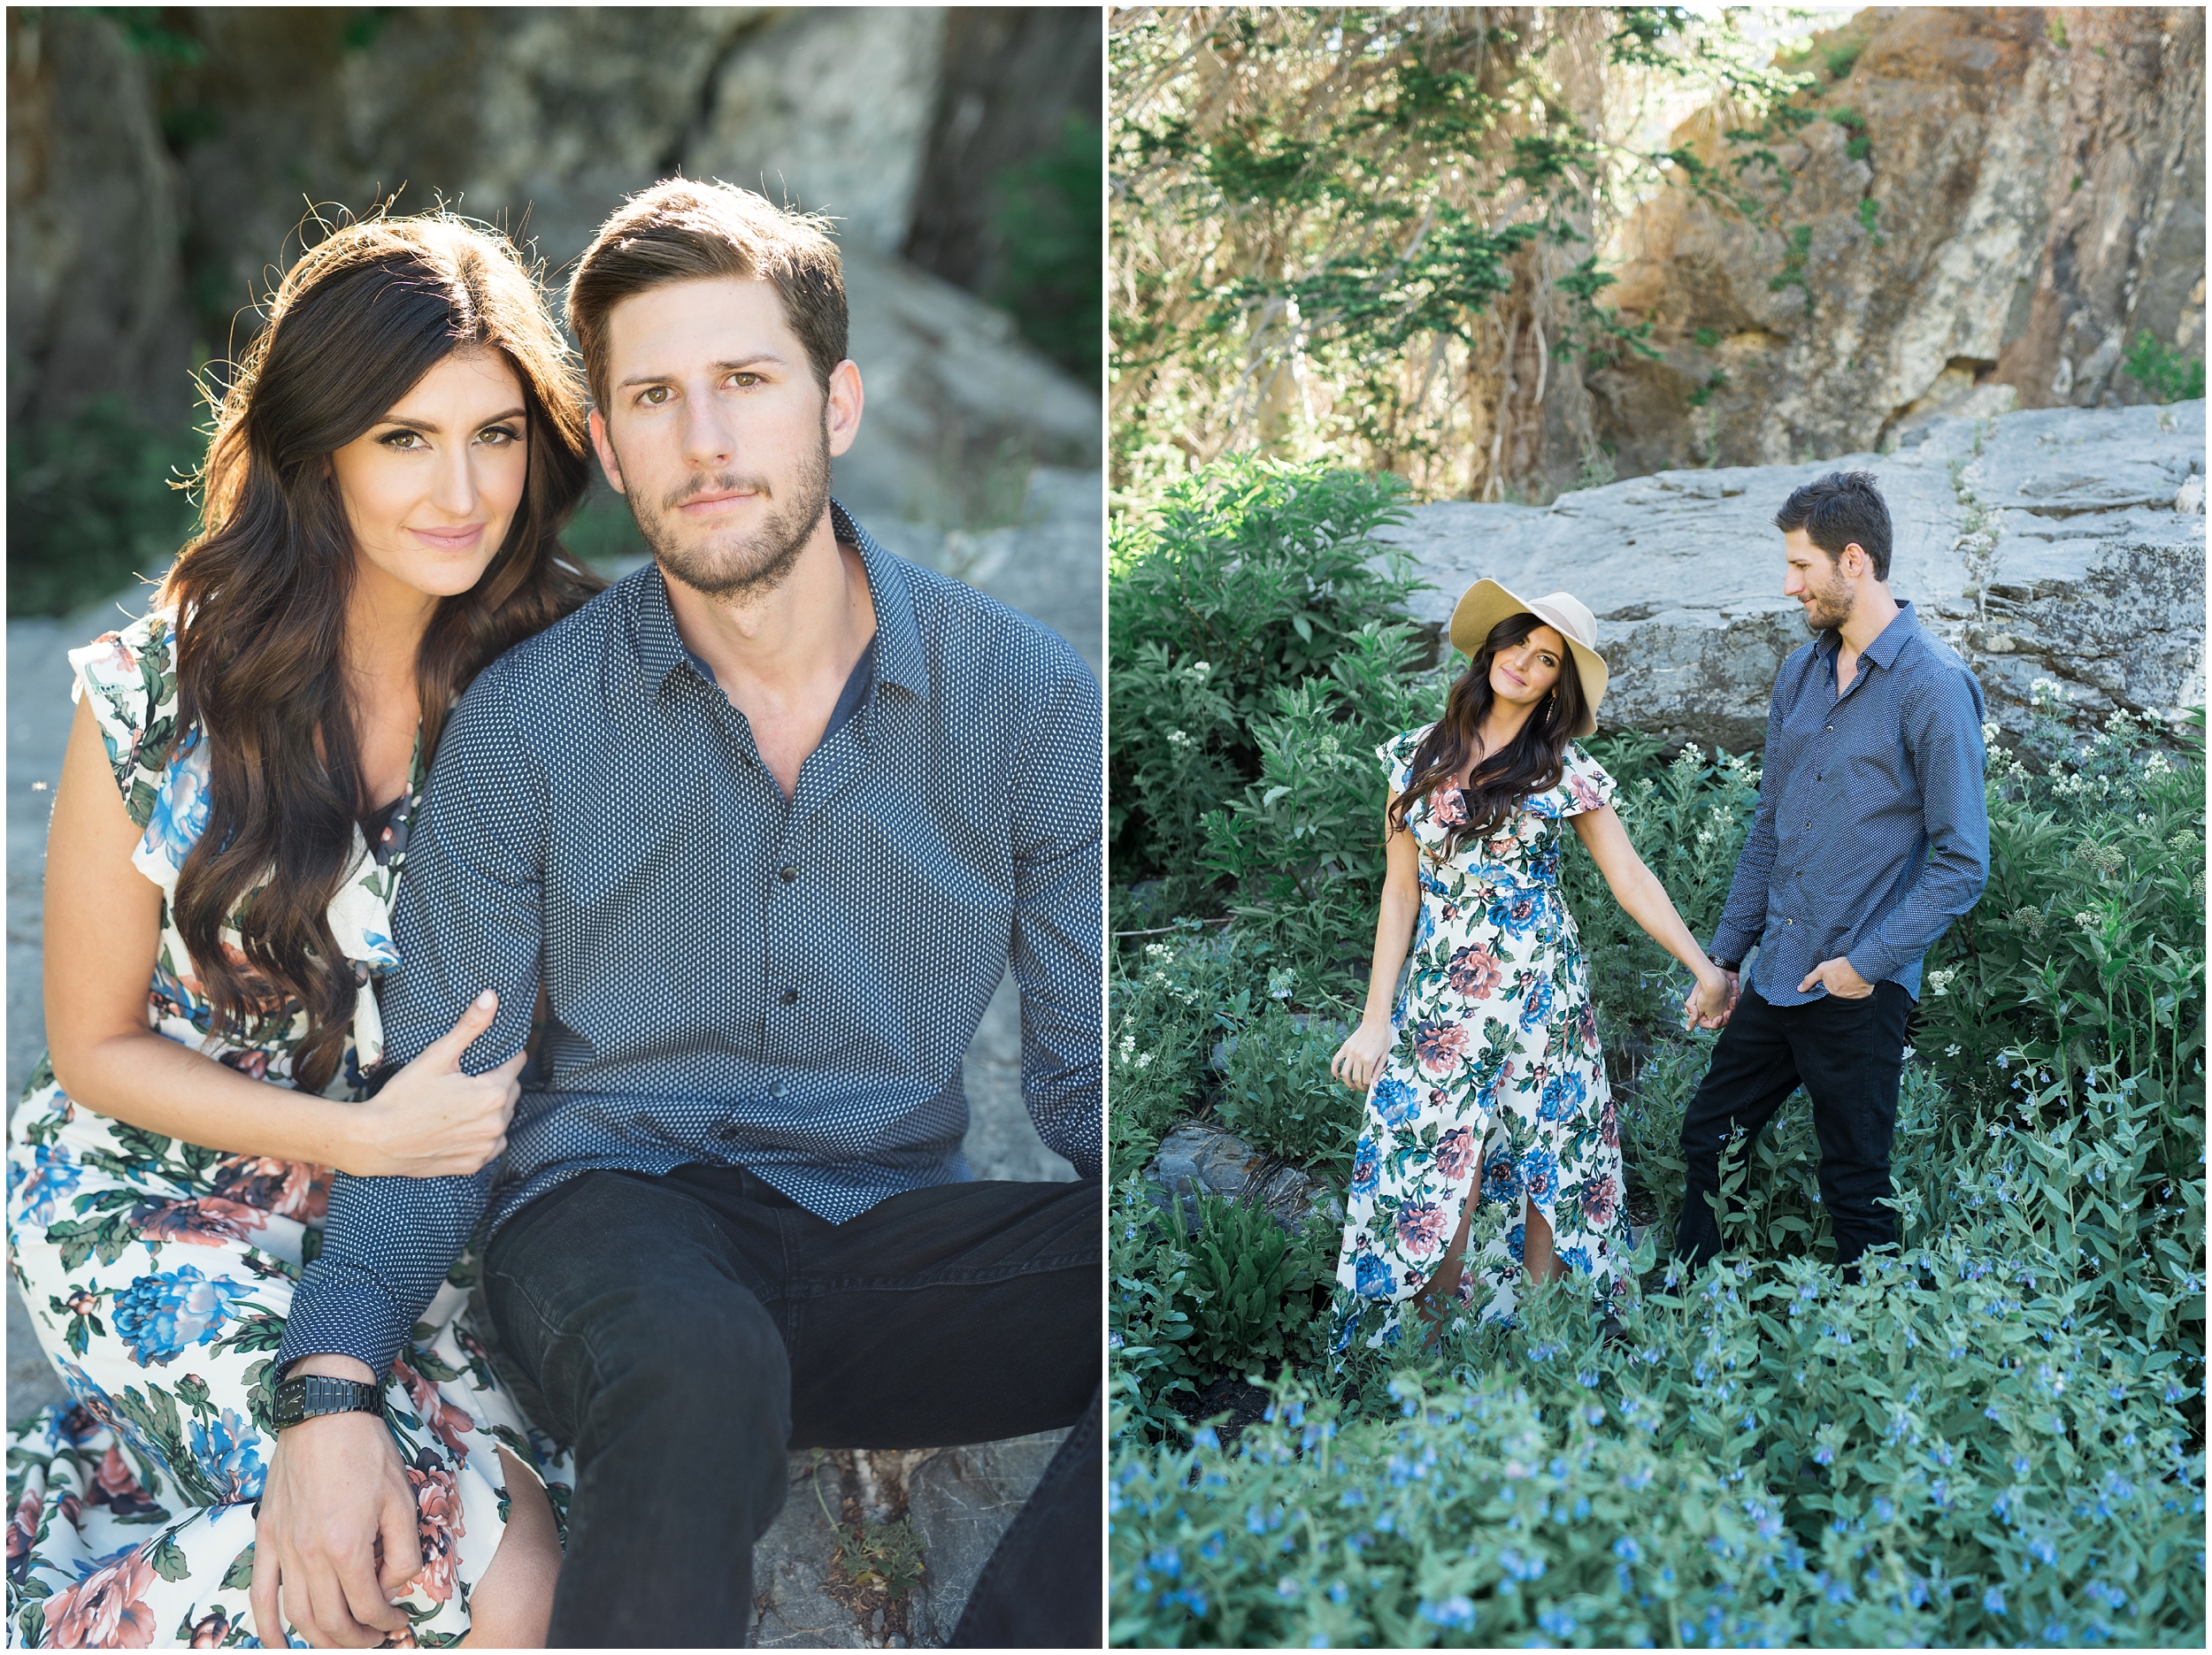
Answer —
(1725, 965)
(311, 1396)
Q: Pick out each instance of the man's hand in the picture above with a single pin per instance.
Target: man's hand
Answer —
(1712, 1002)
(1837, 977)
(336, 1489)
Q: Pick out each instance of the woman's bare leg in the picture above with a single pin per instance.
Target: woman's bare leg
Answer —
(1543, 1264)
(1440, 1298)
(511, 1607)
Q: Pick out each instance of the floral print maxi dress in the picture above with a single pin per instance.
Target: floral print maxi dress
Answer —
(159, 1272)
(1495, 1044)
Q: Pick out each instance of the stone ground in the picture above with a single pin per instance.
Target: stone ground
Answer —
(960, 1500)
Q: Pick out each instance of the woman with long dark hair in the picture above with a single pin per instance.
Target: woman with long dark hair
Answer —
(1483, 1074)
(387, 478)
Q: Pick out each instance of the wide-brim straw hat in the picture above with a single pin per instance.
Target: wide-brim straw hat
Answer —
(1485, 603)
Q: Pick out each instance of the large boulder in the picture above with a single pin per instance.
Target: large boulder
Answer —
(2061, 544)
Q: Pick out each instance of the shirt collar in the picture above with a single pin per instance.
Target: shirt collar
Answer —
(898, 642)
(1884, 651)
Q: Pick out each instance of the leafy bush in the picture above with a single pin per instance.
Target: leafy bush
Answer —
(2086, 947)
(1278, 1095)
(93, 502)
(1980, 1443)
(1234, 1292)
(1248, 576)
(1251, 1285)
(1168, 1001)
(2167, 375)
(1302, 844)
(1687, 819)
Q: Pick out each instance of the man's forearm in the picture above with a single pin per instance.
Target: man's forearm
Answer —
(1744, 915)
(1948, 889)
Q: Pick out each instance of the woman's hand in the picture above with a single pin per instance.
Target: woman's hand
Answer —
(432, 1121)
(1711, 1000)
(1361, 1055)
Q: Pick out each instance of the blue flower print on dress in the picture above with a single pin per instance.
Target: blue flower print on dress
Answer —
(1374, 1279)
(1536, 1005)
(1540, 1175)
(1367, 1163)
(1396, 1101)
(52, 1177)
(1565, 1092)
(160, 1316)
(228, 1450)
(181, 806)
(1499, 1184)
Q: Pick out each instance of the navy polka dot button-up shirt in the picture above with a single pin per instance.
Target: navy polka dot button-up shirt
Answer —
(1872, 831)
(733, 978)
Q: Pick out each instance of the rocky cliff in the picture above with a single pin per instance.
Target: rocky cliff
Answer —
(2060, 544)
(1989, 207)
(160, 165)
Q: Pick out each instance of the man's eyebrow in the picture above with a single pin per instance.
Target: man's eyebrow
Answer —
(430, 428)
(734, 366)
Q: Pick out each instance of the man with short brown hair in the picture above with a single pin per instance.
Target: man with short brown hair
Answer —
(766, 822)
(1872, 836)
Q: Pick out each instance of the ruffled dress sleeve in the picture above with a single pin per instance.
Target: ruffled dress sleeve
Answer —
(1584, 785)
(1397, 757)
(130, 677)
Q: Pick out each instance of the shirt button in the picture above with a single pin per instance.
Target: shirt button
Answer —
(780, 1090)
(791, 996)
(1789, 921)
(788, 873)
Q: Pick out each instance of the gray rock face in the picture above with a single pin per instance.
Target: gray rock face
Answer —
(95, 300)
(2063, 544)
(1199, 1159)
(962, 1500)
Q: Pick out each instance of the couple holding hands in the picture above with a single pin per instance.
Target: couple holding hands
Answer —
(1483, 1074)
(637, 934)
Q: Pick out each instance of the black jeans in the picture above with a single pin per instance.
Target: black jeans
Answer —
(1849, 1055)
(686, 1331)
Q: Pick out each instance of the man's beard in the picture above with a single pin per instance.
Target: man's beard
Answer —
(1831, 606)
(734, 565)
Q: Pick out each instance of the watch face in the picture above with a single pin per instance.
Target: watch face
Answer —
(313, 1395)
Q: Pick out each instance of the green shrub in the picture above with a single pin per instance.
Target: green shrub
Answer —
(2165, 373)
(1996, 1437)
(1302, 846)
(1233, 1293)
(1250, 1285)
(1168, 1001)
(1246, 576)
(93, 502)
(2086, 946)
(1278, 1095)
(1687, 819)
(1945, 1454)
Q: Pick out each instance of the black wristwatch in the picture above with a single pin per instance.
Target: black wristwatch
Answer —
(311, 1396)
(1725, 965)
